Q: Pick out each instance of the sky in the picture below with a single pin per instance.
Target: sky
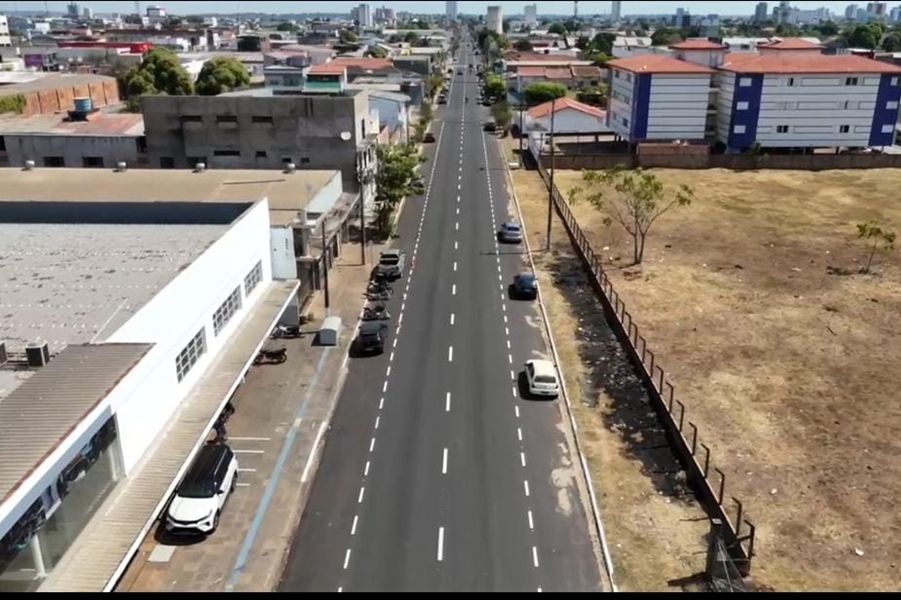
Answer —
(732, 7)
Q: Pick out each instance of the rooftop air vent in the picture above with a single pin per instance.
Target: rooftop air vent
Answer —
(199, 167)
(4, 357)
(38, 355)
(121, 166)
(290, 167)
(29, 165)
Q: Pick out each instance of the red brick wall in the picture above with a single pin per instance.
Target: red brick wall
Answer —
(102, 93)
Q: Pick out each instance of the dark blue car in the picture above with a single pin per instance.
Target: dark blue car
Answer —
(525, 286)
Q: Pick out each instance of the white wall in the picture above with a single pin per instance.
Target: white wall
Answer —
(814, 108)
(678, 106)
(147, 398)
(284, 263)
(619, 107)
(569, 120)
(725, 82)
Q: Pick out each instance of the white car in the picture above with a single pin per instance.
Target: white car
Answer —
(542, 378)
(392, 263)
(202, 493)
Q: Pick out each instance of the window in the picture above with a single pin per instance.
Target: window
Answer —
(888, 128)
(54, 161)
(895, 81)
(850, 80)
(167, 162)
(226, 153)
(261, 154)
(191, 119)
(626, 122)
(92, 162)
(261, 120)
(226, 311)
(253, 278)
(847, 104)
(304, 160)
(287, 160)
(844, 128)
(616, 74)
(142, 144)
(2, 144)
(791, 82)
(226, 119)
(741, 106)
(782, 129)
(738, 129)
(744, 82)
(891, 105)
(188, 357)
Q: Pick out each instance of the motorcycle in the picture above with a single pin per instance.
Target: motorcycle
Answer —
(378, 312)
(277, 356)
(286, 331)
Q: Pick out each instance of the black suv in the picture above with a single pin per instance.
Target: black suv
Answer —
(372, 337)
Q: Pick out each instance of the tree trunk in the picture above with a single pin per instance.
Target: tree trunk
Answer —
(644, 237)
(636, 255)
(866, 268)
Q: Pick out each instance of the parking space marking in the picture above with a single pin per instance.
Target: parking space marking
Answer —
(250, 439)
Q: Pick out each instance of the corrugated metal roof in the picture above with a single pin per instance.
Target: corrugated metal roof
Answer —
(41, 412)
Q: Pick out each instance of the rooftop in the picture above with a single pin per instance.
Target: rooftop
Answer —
(740, 62)
(51, 82)
(543, 110)
(791, 43)
(101, 124)
(697, 44)
(328, 69)
(657, 63)
(373, 64)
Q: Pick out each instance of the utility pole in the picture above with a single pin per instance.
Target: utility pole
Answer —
(325, 255)
(550, 192)
(521, 106)
(361, 179)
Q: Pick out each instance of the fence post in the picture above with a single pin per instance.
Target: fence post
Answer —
(716, 526)
(694, 437)
(681, 413)
(738, 516)
(644, 349)
(662, 374)
(652, 370)
(672, 393)
(722, 485)
(706, 459)
(751, 535)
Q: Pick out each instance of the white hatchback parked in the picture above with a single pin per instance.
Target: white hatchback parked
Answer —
(542, 378)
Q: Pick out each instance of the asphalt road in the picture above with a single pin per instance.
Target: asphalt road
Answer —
(436, 474)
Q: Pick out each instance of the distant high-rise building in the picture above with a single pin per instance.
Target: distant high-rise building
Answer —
(530, 14)
(450, 9)
(73, 11)
(895, 15)
(876, 10)
(682, 18)
(761, 12)
(385, 16)
(783, 12)
(616, 10)
(851, 12)
(362, 15)
(87, 13)
(494, 19)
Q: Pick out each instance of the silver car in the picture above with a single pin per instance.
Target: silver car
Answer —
(510, 233)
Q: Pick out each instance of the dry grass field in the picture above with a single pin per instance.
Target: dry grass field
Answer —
(784, 355)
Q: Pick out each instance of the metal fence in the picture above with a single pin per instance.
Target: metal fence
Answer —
(736, 533)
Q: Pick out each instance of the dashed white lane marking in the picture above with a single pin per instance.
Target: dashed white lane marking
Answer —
(450, 354)
(516, 410)
(526, 486)
(452, 318)
(378, 419)
(508, 347)
(444, 463)
(456, 245)
(394, 344)
(512, 375)
(505, 319)
(531, 522)
(440, 544)
(403, 305)
(340, 589)
(400, 318)
(385, 387)
(510, 358)
(535, 556)
(504, 307)
(458, 210)
(372, 445)
(346, 559)
(519, 433)
(447, 403)
(366, 470)
(391, 358)
(454, 290)
(514, 391)
(381, 403)
(353, 528)
(457, 225)
(522, 458)
(539, 590)
(388, 372)
(360, 498)
(506, 330)
(455, 265)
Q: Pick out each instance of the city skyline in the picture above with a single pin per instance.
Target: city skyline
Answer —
(436, 7)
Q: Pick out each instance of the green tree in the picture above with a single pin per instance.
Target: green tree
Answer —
(892, 42)
(434, 84)
(505, 25)
(827, 29)
(600, 59)
(412, 37)
(221, 74)
(665, 36)
(495, 87)
(863, 36)
(874, 235)
(286, 26)
(159, 73)
(250, 43)
(583, 42)
(633, 199)
(523, 45)
(541, 92)
(347, 36)
(502, 114)
(377, 52)
(603, 42)
(396, 180)
(557, 28)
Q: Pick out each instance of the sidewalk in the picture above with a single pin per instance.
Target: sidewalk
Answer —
(281, 417)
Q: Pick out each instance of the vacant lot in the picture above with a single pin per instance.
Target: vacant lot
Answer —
(784, 356)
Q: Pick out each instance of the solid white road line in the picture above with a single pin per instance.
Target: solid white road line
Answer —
(306, 468)
(250, 439)
(444, 463)
(440, 544)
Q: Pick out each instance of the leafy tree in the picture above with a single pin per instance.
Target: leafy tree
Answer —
(159, 73)
(434, 84)
(665, 36)
(347, 36)
(787, 30)
(633, 199)
(505, 25)
(583, 42)
(523, 45)
(557, 28)
(495, 86)
(874, 235)
(600, 59)
(892, 42)
(395, 39)
(377, 52)
(412, 37)
(396, 180)
(542, 91)
(249, 43)
(286, 26)
(221, 74)
(863, 36)
(828, 29)
(603, 42)
(502, 114)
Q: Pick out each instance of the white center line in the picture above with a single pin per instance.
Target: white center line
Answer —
(531, 522)
(535, 556)
(512, 375)
(508, 347)
(366, 470)
(391, 358)
(455, 265)
(444, 463)
(346, 559)
(514, 391)
(457, 225)
(377, 421)
(450, 354)
(516, 410)
(360, 498)
(452, 318)
(400, 318)
(519, 433)
(381, 403)
(385, 387)
(526, 484)
(440, 544)
(372, 444)
(447, 403)
(454, 290)
(506, 330)
(353, 528)
(388, 372)
(394, 344)
(522, 458)
(458, 210)
(456, 245)
(505, 322)
(510, 358)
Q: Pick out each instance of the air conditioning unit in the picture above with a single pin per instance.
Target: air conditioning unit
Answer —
(4, 357)
(38, 355)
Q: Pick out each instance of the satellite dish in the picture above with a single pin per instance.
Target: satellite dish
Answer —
(346, 135)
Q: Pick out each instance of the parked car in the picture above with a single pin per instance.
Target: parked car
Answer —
(372, 337)
(391, 263)
(541, 378)
(525, 286)
(202, 493)
(510, 233)
(442, 100)
(490, 126)
(429, 138)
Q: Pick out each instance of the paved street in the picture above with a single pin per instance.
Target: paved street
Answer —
(436, 474)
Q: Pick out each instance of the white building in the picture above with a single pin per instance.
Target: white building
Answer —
(362, 15)
(5, 39)
(624, 46)
(570, 117)
(530, 14)
(156, 14)
(450, 9)
(616, 10)
(658, 97)
(494, 20)
(108, 389)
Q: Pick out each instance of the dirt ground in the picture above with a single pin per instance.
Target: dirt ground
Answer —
(655, 529)
(784, 356)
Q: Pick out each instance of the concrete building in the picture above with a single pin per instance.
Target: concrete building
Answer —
(761, 12)
(362, 15)
(570, 118)
(530, 14)
(54, 140)
(55, 93)
(624, 46)
(5, 39)
(108, 390)
(851, 12)
(616, 11)
(494, 19)
(394, 113)
(256, 129)
(450, 9)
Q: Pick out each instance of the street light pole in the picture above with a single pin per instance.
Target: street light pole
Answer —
(521, 107)
(550, 193)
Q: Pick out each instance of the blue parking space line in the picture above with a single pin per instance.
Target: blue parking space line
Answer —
(263, 508)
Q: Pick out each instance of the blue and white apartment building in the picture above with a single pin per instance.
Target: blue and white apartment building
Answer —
(787, 94)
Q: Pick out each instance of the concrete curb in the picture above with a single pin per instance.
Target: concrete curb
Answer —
(586, 473)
